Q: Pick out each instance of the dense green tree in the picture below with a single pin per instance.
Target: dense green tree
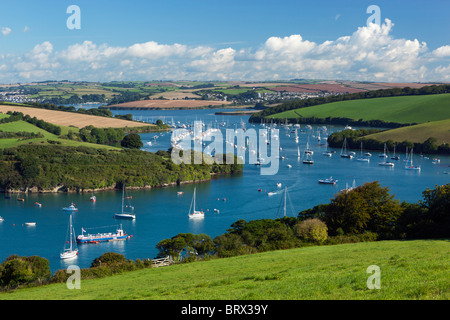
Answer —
(132, 141)
(108, 258)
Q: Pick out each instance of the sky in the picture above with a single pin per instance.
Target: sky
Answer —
(224, 40)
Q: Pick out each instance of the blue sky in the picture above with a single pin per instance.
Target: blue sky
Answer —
(227, 33)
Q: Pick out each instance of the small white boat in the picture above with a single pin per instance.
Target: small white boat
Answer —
(123, 214)
(410, 166)
(289, 166)
(195, 214)
(271, 193)
(71, 208)
(30, 224)
(71, 251)
(1, 219)
(37, 204)
(93, 198)
(179, 193)
(279, 184)
(328, 181)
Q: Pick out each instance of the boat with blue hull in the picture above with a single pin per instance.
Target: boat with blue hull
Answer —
(102, 237)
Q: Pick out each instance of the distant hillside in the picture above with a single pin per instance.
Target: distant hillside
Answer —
(418, 133)
(402, 109)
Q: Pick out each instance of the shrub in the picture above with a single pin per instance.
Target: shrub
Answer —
(313, 230)
(108, 258)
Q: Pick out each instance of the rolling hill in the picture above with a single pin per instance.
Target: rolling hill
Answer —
(401, 109)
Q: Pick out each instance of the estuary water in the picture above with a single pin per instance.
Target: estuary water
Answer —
(162, 213)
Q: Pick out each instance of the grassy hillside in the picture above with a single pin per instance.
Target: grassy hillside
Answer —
(409, 270)
(402, 109)
(28, 127)
(418, 133)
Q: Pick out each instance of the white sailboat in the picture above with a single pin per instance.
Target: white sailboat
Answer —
(308, 151)
(344, 153)
(284, 207)
(123, 214)
(361, 158)
(386, 163)
(308, 159)
(195, 214)
(410, 166)
(71, 250)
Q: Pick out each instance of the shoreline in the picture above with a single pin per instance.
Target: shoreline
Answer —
(62, 189)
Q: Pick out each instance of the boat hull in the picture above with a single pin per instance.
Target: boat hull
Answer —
(69, 254)
(124, 216)
(95, 239)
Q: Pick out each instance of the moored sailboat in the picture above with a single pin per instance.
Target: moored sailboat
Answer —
(70, 251)
(195, 214)
(123, 214)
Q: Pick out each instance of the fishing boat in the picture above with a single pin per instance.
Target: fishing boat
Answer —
(71, 208)
(409, 165)
(123, 214)
(328, 181)
(344, 153)
(93, 198)
(195, 214)
(118, 235)
(71, 250)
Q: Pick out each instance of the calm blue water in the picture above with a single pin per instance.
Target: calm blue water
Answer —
(161, 213)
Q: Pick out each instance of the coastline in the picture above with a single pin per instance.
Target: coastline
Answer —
(62, 189)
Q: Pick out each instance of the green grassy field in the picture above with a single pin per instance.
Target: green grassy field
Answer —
(404, 109)
(418, 133)
(28, 127)
(408, 269)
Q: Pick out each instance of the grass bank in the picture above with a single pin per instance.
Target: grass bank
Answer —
(409, 270)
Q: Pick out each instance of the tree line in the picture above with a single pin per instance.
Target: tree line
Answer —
(46, 167)
(366, 213)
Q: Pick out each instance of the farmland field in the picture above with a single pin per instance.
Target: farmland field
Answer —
(403, 109)
(409, 270)
(168, 104)
(67, 119)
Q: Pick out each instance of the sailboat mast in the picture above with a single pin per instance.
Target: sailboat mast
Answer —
(285, 192)
(194, 200)
(123, 195)
(70, 227)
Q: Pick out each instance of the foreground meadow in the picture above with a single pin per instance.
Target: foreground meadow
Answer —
(408, 270)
